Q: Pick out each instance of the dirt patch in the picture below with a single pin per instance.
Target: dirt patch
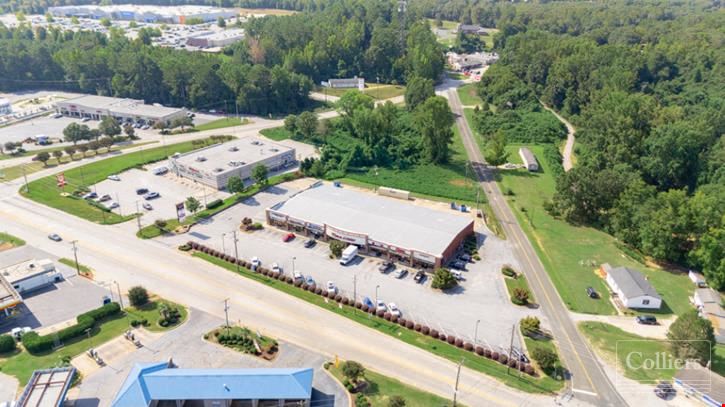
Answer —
(459, 182)
(6, 246)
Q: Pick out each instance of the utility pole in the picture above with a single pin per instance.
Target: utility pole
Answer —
(226, 311)
(475, 333)
(511, 348)
(224, 249)
(376, 296)
(119, 204)
(354, 293)
(120, 298)
(293, 264)
(25, 175)
(75, 256)
(236, 253)
(138, 218)
(458, 376)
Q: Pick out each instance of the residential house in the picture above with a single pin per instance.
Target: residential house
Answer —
(631, 287)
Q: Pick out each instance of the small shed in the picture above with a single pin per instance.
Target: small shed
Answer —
(529, 159)
(632, 288)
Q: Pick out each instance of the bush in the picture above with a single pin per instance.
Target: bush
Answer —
(424, 330)
(459, 342)
(7, 343)
(546, 358)
(364, 307)
(468, 346)
(336, 247)
(380, 313)
(352, 370)
(138, 296)
(529, 370)
(185, 247)
(443, 279)
(451, 339)
(409, 324)
(396, 401)
(494, 355)
(503, 358)
(479, 351)
(508, 271)
(530, 326)
(487, 353)
(433, 333)
(520, 296)
(214, 204)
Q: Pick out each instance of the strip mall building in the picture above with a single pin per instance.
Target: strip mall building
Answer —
(391, 228)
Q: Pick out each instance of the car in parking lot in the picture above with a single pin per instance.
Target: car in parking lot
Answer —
(297, 276)
(381, 306)
(256, 262)
(112, 205)
(55, 237)
(309, 280)
(104, 198)
(310, 243)
(141, 191)
(276, 268)
(18, 332)
(145, 127)
(591, 293)
(401, 273)
(147, 206)
(419, 276)
(386, 267)
(366, 301)
(457, 274)
(646, 319)
(458, 265)
(90, 195)
(151, 195)
(664, 390)
(519, 355)
(85, 119)
(114, 177)
(465, 257)
(393, 309)
(331, 288)
(288, 237)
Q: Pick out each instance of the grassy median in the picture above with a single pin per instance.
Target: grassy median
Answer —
(514, 379)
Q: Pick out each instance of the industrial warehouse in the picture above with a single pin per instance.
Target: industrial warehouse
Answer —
(384, 226)
(144, 13)
(214, 165)
(124, 110)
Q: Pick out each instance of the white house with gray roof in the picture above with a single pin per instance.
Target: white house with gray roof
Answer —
(632, 288)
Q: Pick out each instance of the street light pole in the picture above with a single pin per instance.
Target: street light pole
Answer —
(293, 264)
(138, 218)
(236, 252)
(226, 311)
(120, 298)
(354, 293)
(224, 249)
(75, 256)
(376, 295)
(475, 333)
(458, 376)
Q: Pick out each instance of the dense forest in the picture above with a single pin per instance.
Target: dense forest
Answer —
(272, 71)
(643, 82)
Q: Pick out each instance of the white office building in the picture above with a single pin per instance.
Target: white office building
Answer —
(31, 275)
(5, 107)
(124, 110)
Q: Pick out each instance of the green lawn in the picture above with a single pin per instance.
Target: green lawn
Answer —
(377, 91)
(277, 133)
(265, 343)
(519, 282)
(447, 24)
(150, 312)
(10, 239)
(545, 343)
(380, 388)
(718, 360)
(46, 192)
(72, 263)
(615, 346)
(222, 123)
(571, 253)
(469, 96)
(151, 231)
(494, 369)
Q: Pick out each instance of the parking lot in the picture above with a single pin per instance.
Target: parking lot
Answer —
(54, 304)
(171, 189)
(482, 295)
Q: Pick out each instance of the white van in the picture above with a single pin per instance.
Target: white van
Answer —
(160, 170)
(348, 254)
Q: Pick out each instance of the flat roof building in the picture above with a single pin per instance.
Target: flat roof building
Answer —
(158, 384)
(399, 230)
(124, 110)
(5, 107)
(216, 39)
(31, 275)
(345, 83)
(145, 13)
(47, 388)
(529, 159)
(214, 165)
(9, 296)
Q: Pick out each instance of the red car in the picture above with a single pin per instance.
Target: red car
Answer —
(288, 237)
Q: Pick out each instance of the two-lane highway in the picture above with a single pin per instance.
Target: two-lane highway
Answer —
(588, 380)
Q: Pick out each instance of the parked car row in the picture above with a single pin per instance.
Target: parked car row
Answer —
(388, 267)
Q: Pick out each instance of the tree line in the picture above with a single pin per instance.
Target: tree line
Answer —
(643, 85)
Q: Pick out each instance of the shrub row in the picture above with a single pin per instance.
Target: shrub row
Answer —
(214, 204)
(422, 329)
(7, 343)
(35, 343)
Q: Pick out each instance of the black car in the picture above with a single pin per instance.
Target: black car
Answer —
(386, 267)
(664, 390)
(458, 265)
(591, 293)
(646, 319)
(141, 191)
(310, 243)
(419, 277)
(465, 257)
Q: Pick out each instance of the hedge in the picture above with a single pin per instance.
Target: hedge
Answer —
(214, 204)
(35, 343)
(7, 343)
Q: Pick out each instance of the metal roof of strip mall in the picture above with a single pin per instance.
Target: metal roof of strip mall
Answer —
(382, 219)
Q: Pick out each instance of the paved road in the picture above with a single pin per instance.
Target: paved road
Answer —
(588, 380)
(569, 146)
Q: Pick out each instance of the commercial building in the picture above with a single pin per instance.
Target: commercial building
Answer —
(700, 384)
(216, 39)
(5, 107)
(466, 62)
(149, 14)
(124, 110)
(345, 83)
(9, 297)
(388, 227)
(160, 385)
(631, 288)
(529, 159)
(471, 29)
(31, 275)
(47, 388)
(214, 165)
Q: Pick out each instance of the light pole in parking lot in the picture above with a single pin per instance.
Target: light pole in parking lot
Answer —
(475, 333)
(224, 249)
(293, 264)
(376, 296)
(75, 256)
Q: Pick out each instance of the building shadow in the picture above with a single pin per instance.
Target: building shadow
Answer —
(87, 402)
(24, 318)
(320, 399)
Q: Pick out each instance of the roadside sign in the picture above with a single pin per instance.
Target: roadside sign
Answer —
(180, 212)
(60, 180)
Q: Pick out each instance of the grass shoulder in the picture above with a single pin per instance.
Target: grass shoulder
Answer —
(514, 379)
(243, 340)
(277, 133)
(85, 270)
(222, 123)
(378, 389)
(468, 94)
(8, 241)
(157, 315)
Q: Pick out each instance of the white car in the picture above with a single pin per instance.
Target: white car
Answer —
(331, 288)
(276, 268)
(381, 306)
(298, 276)
(85, 119)
(147, 206)
(114, 177)
(113, 205)
(256, 262)
(393, 309)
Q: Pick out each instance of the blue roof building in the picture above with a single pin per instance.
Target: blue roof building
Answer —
(158, 385)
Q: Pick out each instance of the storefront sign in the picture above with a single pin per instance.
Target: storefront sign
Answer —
(400, 251)
(345, 236)
(180, 212)
(316, 228)
(296, 222)
(424, 257)
(378, 245)
(277, 216)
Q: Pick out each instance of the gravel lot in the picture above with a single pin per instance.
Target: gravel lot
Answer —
(482, 296)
